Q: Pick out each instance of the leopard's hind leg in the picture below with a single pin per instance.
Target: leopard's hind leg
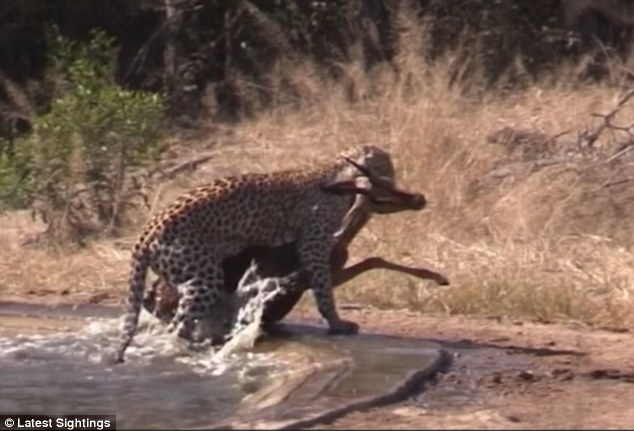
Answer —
(201, 294)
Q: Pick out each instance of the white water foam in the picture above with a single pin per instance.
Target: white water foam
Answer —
(251, 297)
(165, 381)
(95, 342)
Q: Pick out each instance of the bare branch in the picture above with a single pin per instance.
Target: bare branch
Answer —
(620, 153)
(590, 137)
(188, 165)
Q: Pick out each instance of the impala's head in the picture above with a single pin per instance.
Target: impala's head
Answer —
(372, 175)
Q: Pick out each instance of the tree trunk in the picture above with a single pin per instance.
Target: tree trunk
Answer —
(184, 67)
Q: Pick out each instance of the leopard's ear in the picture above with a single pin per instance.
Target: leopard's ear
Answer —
(376, 180)
(347, 186)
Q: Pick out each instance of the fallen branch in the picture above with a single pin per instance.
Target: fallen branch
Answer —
(617, 183)
(188, 165)
(622, 151)
(588, 138)
(557, 136)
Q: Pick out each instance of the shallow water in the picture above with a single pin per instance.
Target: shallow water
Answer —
(161, 385)
(56, 361)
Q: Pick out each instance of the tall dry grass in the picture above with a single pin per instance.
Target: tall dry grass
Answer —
(530, 228)
(526, 229)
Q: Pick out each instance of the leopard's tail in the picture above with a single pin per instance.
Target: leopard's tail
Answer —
(138, 274)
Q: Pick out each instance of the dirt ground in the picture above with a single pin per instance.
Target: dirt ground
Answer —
(508, 375)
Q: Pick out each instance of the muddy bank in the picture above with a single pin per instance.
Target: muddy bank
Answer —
(509, 375)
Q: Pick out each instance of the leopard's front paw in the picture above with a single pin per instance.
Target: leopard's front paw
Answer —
(343, 327)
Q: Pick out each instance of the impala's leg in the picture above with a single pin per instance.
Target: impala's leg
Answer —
(370, 263)
(161, 300)
(152, 297)
(354, 220)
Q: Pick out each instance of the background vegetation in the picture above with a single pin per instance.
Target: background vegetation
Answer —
(513, 117)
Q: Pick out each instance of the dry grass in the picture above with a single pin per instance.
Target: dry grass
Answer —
(39, 271)
(515, 238)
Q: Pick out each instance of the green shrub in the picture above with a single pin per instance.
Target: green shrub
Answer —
(73, 169)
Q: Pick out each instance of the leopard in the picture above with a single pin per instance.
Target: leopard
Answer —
(269, 276)
(186, 242)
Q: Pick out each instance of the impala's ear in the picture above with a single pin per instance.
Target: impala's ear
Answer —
(346, 186)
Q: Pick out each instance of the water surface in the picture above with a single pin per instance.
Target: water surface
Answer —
(59, 361)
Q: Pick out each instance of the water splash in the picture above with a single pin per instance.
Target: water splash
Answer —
(72, 372)
(251, 297)
(93, 341)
